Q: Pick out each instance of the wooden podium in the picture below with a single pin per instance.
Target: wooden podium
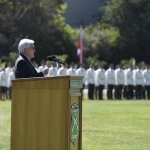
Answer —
(46, 113)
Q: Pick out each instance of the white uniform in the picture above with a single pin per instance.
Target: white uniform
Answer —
(119, 76)
(8, 70)
(81, 72)
(110, 77)
(90, 80)
(99, 83)
(129, 77)
(90, 76)
(139, 83)
(52, 71)
(71, 71)
(40, 68)
(110, 81)
(146, 75)
(100, 77)
(11, 77)
(138, 77)
(62, 71)
(3, 79)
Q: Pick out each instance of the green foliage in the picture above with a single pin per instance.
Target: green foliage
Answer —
(130, 62)
(10, 58)
(94, 60)
(62, 57)
(132, 20)
(39, 20)
(100, 39)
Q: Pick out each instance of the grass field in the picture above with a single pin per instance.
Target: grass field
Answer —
(107, 125)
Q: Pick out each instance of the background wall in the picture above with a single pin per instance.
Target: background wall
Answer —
(82, 11)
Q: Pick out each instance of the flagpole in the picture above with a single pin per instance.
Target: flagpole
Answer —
(81, 56)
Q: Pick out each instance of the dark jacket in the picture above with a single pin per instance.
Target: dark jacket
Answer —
(24, 68)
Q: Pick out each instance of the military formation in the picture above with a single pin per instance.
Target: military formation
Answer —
(119, 83)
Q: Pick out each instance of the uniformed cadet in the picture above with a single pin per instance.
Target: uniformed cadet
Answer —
(110, 81)
(7, 71)
(119, 79)
(143, 87)
(52, 70)
(134, 86)
(40, 68)
(3, 81)
(146, 74)
(139, 82)
(81, 72)
(11, 77)
(129, 83)
(90, 82)
(99, 82)
(71, 71)
(62, 71)
(116, 87)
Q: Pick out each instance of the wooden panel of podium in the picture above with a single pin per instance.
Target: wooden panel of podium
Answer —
(46, 113)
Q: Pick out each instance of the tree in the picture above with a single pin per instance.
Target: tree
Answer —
(6, 26)
(41, 21)
(101, 40)
(131, 19)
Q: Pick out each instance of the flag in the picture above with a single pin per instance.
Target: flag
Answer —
(79, 50)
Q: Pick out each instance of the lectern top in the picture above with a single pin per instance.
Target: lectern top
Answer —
(57, 82)
(49, 78)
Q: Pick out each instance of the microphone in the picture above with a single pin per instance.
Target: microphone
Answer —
(53, 58)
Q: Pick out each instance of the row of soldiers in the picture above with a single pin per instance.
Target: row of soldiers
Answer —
(128, 83)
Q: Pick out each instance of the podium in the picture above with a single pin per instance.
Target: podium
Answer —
(46, 113)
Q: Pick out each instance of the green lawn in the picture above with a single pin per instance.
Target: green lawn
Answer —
(5, 114)
(107, 125)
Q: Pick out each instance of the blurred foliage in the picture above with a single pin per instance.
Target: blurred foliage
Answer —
(95, 61)
(132, 19)
(101, 41)
(120, 36)
(130, 62)
(39, 20)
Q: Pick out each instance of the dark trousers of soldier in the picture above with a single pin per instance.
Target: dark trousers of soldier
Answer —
(138, 91)
(7, 93)
(3, 92)
(129, 91)
(91, 91)
(118, 91)
(10, 92)
(99, 92)
(0, 94)
(143, 92)
(120, 87)
(110, 91)
(96, 92)
(147, 88)
(125, 92)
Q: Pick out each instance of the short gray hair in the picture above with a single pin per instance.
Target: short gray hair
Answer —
(24, 43)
